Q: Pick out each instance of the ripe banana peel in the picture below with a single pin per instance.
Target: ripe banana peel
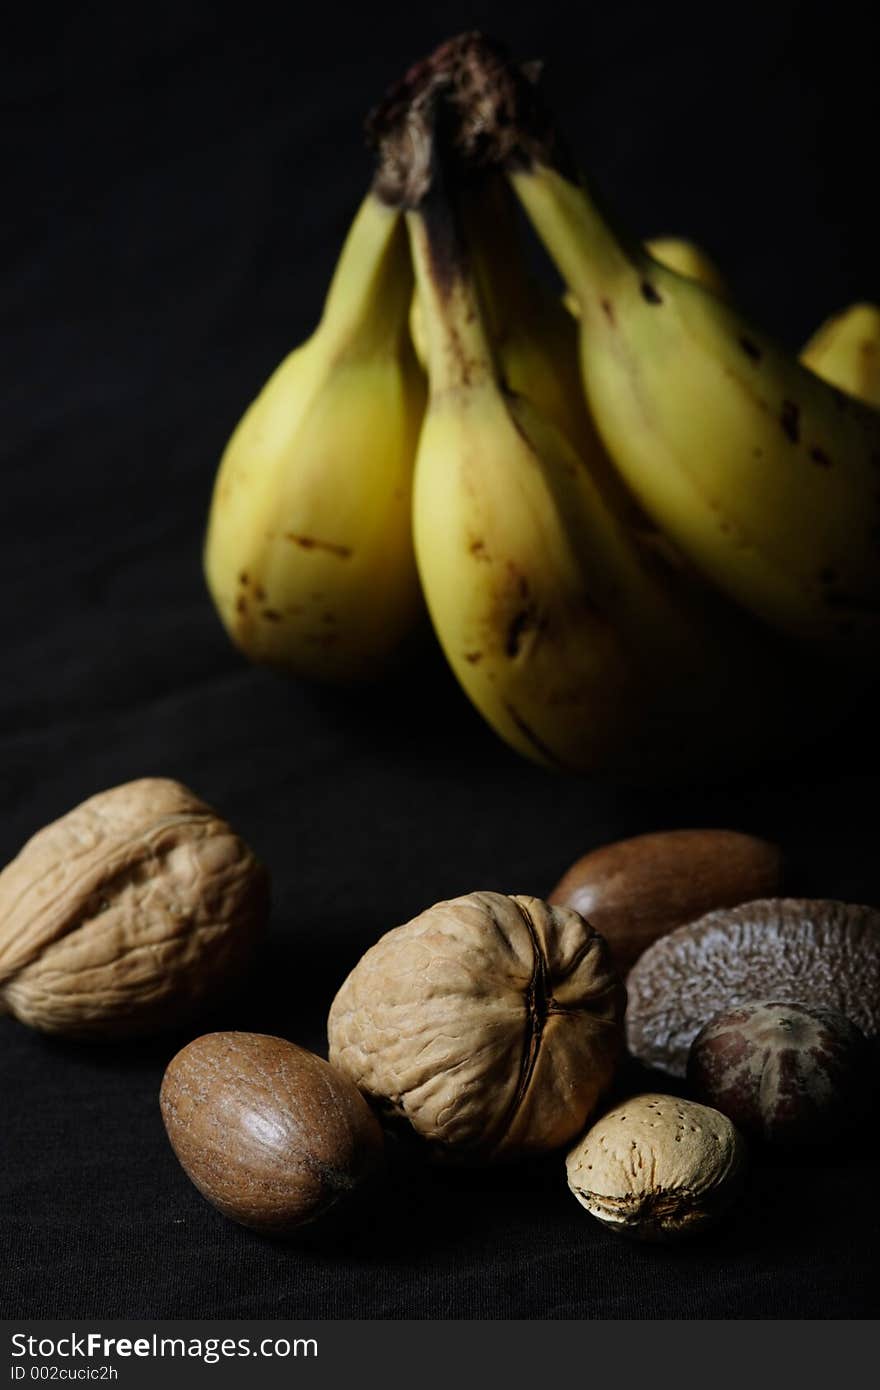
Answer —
(762, 474)
(680, 254)
(309, 554)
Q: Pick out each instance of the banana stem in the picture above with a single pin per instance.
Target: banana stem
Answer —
(369, 295)
(586, 251)
(460, 353)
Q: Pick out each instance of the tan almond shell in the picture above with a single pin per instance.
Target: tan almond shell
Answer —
(124, 915)
(806, 951)
(657, 1167)
(491, 1024)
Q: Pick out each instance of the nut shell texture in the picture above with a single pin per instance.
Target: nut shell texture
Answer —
(268, 1132)
(657, 1167)
(491, 1024)
(125, 914)
(787, 1073)
(635, 890)
(805, 951)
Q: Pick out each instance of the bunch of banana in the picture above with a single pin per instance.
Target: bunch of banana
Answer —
(634, 519)
(580, 641)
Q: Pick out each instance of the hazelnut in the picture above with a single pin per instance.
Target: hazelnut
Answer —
(816, 952)
(657, 1167)
(490, 1024)
(635, 890)
(269, 1133)
(128, 912)
(787, 1073)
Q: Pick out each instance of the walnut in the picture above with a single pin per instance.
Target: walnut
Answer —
(490, 1024)
(124, 915)
(657, 1167)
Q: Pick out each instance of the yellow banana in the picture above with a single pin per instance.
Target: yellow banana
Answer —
(846, 352)
(574, 641)
(308, 554)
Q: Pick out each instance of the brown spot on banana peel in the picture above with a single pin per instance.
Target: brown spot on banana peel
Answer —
(650, 293)
(517, 628)
(608, 310)
(271, 615)
(343, 552)
(790, 419)
(750, 348)
(473, 657)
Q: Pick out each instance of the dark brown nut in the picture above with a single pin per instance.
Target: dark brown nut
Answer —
(269, 1133)
(490, 1024)
(785, 1073)
(123, 916)
(636, 890)
(658, 1168)
(816, 952)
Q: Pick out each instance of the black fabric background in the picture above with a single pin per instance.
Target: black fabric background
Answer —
(178, 180)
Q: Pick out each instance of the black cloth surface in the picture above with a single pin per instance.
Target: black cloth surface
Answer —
(178, 182)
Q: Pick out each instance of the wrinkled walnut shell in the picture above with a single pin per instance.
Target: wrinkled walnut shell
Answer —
(657, 1167)
(490, 1024)
(635, 890)
(814, 952)
(785, 1073)
(269, 1133)
(123, 916)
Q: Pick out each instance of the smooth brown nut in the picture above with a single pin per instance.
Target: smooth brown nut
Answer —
(635, 890)
(123, 916)
(813, 951)
(490, 1024)
(269, 1133)
(657, 1167)
(786, 1073)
